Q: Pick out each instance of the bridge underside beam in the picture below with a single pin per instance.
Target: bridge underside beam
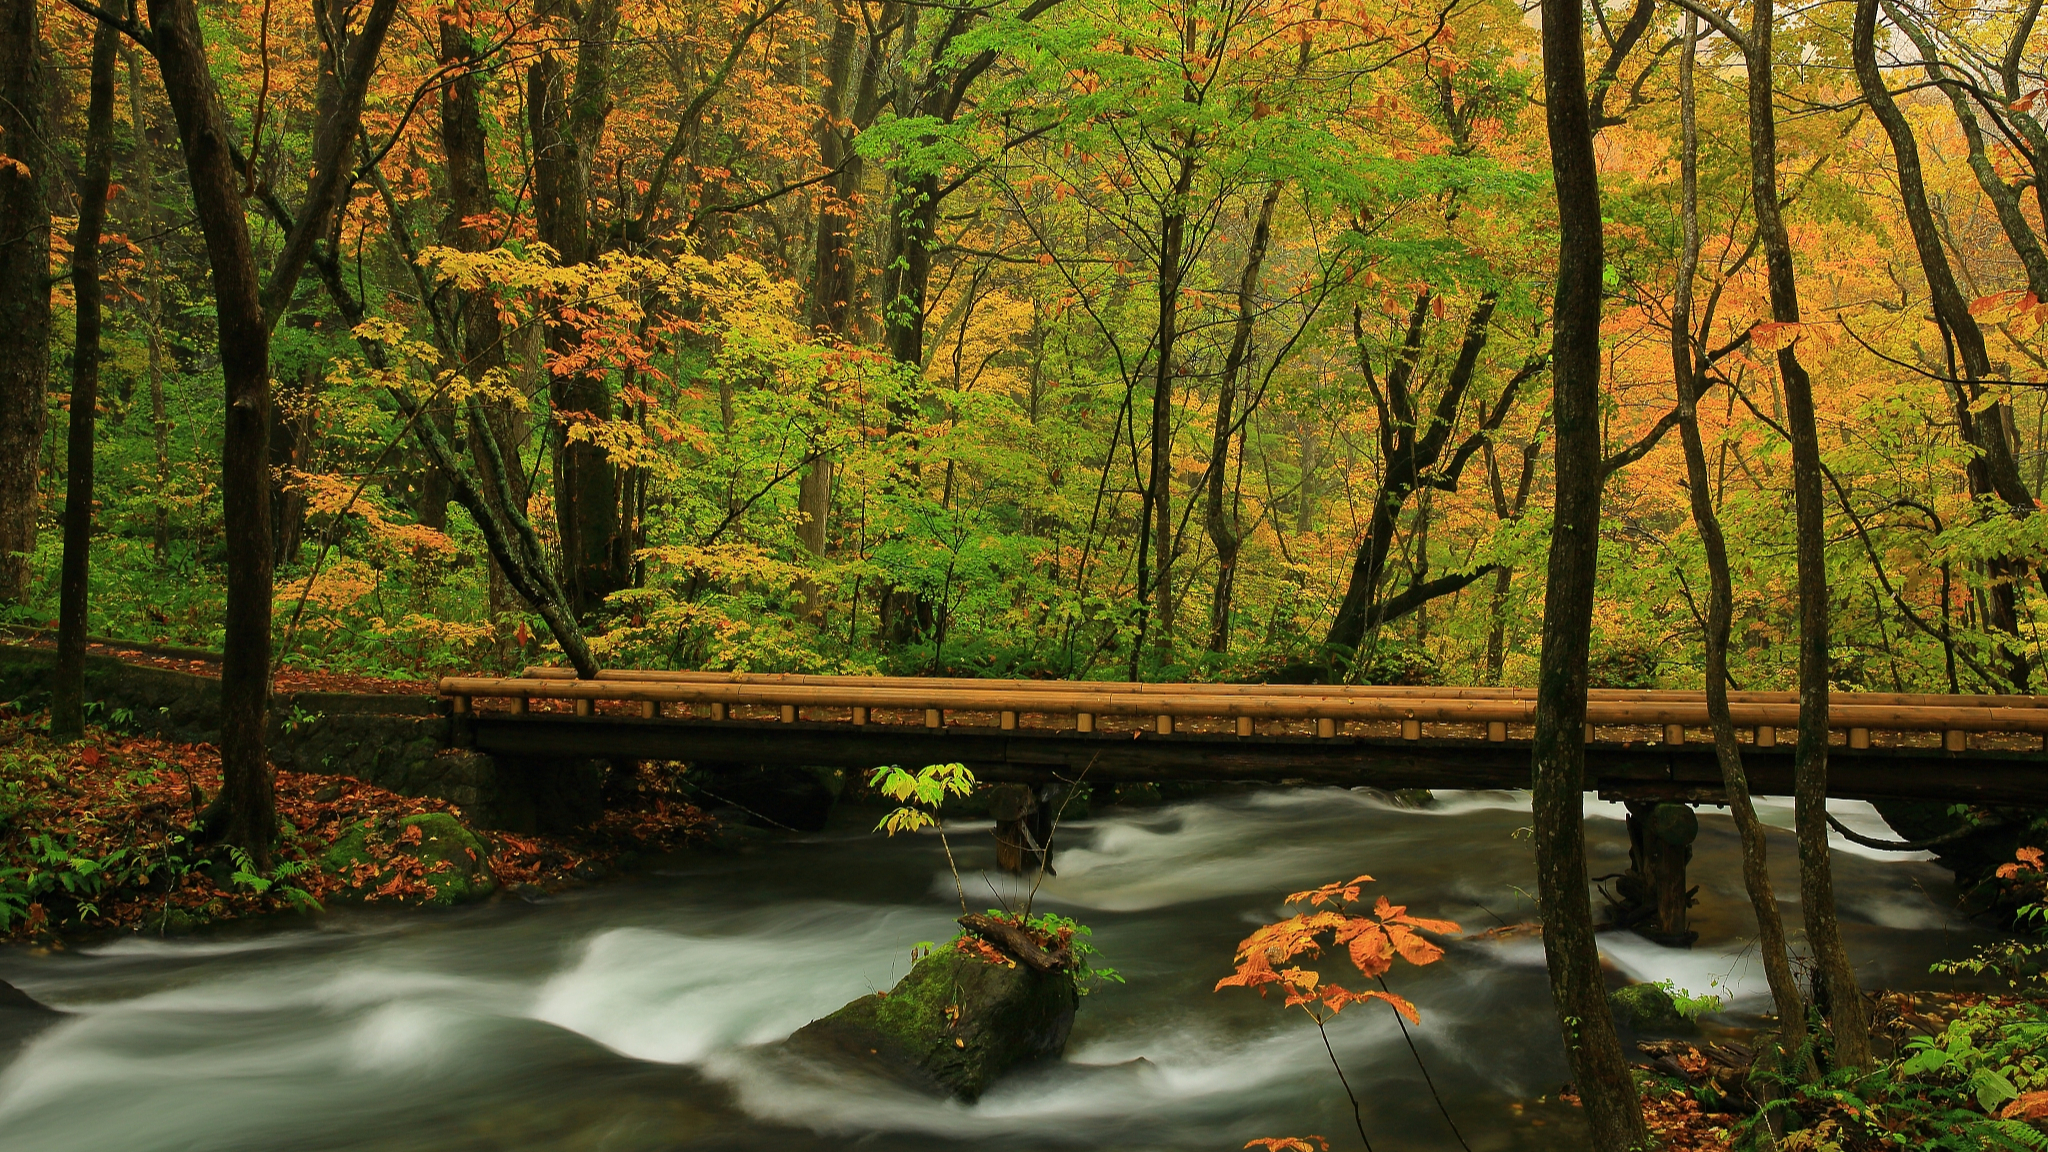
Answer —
(1680, 772)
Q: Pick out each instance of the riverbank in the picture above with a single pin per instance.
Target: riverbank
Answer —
(96, 838)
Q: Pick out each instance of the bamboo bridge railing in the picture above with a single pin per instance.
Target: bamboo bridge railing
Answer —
(1168, 706)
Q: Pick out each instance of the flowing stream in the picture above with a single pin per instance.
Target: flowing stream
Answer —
(632, 1015)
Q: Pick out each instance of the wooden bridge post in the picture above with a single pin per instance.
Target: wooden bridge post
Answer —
(1655, 898)
(718, 711)
(1859, 738)
(650, 709)
(934, 718)
(1326, 728)
(1497, 731)
(1411, 729)
(1674, 733)
(519, 706)
(860, 716)
(1163, 724)
(1084, 721)
(1766, 736)
(1954, 740)
(586, 707)
(1008, 721)
(1246, 727)
(789, 713)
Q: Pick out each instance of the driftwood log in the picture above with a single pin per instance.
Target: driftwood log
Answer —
(1019, 943)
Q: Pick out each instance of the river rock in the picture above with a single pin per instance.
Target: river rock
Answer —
(1648, 1008)
(952, 1026)
(432, 847)
(21, 1017)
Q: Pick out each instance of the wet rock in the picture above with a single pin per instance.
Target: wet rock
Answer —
(1648, 1008)
(432, 849)
(21, 1017)
(950, 1027)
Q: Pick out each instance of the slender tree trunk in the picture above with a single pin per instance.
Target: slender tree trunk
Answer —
(1221, 526)
(1993, 472)
(1599, 1070)
(67, 690)
(24, 286)
(834, 271)
(250, 814)
(1756, 877)
(1810, 773)
(153, 307)
(1158, 518)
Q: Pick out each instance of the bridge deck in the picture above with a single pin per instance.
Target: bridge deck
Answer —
(1639, 744)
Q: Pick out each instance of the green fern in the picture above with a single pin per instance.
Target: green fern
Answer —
(2016, 1135)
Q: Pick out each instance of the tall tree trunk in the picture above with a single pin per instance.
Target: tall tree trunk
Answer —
(1837, 977)
(566, 123)
(834, 270)
(249, 808)
(1157, 517)
(67, 690)
(153, 305)
(1558, 749)
(482, 335)
(1220, 525)
(24, 286)
(1756, 877)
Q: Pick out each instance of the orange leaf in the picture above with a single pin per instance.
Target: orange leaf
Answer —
(1372, 952)
(2029, 1106)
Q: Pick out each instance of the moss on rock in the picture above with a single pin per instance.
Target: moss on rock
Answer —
(1648, 1008)
(952, 1026)
(429, 859)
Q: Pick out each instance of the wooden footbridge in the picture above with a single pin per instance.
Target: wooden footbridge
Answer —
(1639, 744)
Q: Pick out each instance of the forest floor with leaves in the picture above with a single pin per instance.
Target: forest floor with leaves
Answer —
(1958, 1071)
(96, 837)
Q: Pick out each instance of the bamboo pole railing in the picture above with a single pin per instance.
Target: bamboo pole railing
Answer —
(1329, 707)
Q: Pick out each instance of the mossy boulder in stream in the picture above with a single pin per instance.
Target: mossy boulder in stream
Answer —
(1648, 1008)
(953, 1025)
(429, 858)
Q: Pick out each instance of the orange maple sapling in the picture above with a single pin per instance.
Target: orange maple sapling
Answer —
(1372, 943)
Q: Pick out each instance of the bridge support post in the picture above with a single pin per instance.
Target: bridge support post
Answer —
(1245, 726)
(1084, 721)
(586, 707)
(1326, 728)
(789, 713)
(1008, 720)
(650, 709)
(1655, 897)
(1766, 736)
(1674, 733)
(1954, 740)
(519, 706)
(934, 718)
(1163, 724)
(1859, 738)
(860, 716)
(718, 711)
(1497, 731)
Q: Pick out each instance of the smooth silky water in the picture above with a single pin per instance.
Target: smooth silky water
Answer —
(632, 1015)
